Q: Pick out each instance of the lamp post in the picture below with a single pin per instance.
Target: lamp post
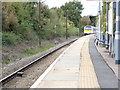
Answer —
(66, 26)
(66, 12)
(40, 19)
(99, 22)
(102, 27)
(113, 35)
(79, 24)
(117, 33)
(39, 8)
(107, 36)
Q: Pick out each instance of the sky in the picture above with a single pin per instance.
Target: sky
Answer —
(90, 7)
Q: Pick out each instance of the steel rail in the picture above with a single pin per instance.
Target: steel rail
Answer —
(14, 74)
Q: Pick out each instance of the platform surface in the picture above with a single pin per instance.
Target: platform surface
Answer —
(79, 66)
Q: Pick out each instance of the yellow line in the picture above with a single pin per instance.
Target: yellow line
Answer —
(88, 78)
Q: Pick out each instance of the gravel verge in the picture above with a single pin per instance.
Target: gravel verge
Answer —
(32, 74)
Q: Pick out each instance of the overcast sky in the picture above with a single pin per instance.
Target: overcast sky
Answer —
(90, 7)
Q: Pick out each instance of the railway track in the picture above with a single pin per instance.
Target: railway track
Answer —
(20, 71)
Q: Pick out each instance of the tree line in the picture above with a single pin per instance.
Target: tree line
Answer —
(26, 22)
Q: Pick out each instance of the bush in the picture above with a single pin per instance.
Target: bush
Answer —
(72, 31)
(9, 38)
(26, 33)
(29, 52)
(5, 61)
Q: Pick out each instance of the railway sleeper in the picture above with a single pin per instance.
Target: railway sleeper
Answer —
(20, 74)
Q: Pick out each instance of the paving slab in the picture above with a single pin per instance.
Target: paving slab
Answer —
(65, 72)
(58, 84)
(62, 76)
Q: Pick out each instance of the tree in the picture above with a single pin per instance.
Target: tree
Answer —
(85, 20)
(93, 19)
(73, 11)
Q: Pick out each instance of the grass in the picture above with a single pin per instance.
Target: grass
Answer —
(30, 52)
(6, 61)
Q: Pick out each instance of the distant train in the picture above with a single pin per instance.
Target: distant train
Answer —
(88, 29)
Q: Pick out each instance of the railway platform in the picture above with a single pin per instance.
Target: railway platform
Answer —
(79, 66)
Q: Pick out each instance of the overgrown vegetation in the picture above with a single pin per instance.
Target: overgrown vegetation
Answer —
(29, 52)
(31, 22)
(103, 17)
(26, 21)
